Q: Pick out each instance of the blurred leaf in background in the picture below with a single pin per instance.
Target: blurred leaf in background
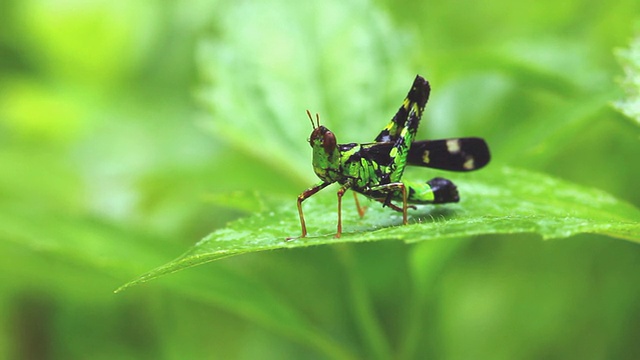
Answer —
(130, 130)
(630, 60)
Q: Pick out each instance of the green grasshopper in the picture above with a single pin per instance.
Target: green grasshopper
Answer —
(375, 169)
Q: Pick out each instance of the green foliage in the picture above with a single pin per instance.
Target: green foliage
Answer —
(107, 170)
(630, 60)
(496, 202)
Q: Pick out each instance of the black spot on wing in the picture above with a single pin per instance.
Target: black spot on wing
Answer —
(463, 154)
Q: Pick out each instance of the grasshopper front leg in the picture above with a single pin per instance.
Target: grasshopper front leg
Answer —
(302, 197)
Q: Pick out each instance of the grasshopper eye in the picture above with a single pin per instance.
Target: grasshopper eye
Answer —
(329, 141)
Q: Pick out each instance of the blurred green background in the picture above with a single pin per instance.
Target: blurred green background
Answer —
(123, 124)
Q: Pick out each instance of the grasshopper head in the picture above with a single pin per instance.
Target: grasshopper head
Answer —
(326, 155)
(321, 137)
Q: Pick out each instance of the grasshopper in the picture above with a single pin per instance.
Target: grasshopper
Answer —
(375, 169)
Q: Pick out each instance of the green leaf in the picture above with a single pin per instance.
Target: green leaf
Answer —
(335, 58)
(504, 201)
(630, 60)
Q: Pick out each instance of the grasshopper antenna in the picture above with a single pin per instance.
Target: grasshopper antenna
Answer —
(311, 118)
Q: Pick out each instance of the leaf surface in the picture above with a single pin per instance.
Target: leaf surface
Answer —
(493, 201)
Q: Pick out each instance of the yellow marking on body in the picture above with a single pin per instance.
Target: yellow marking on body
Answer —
(453, 146)
(393, 152)
(469, 164)
(425, 157)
